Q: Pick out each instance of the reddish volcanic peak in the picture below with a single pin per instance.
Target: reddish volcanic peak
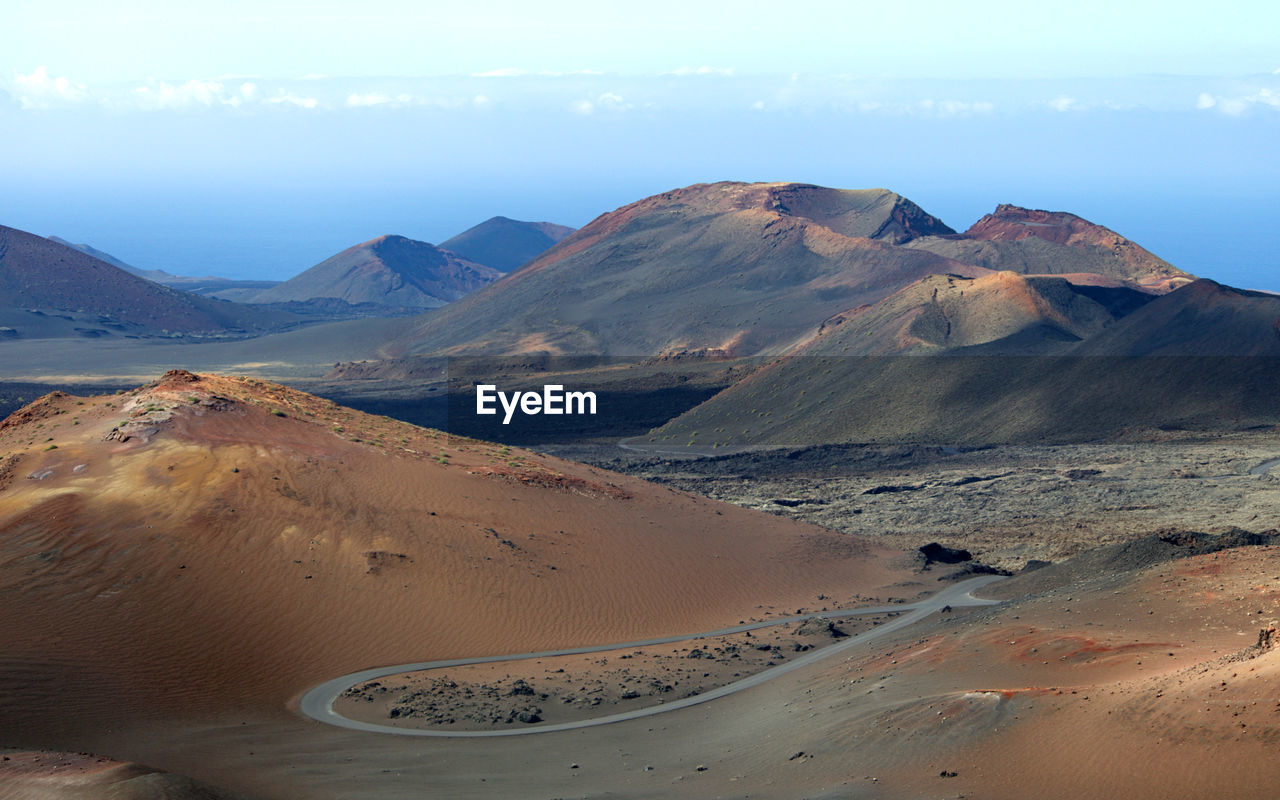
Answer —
(1011, 223)
(1033, 240)
(870, 213)
(857, 213)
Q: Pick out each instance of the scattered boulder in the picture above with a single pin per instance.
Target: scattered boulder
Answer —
(974, 568)
(935, 553)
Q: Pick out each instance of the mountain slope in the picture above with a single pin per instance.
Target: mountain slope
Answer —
(754, 269)
(211, 546)
(390, 271)
(1201, 358)
(740, 268)
(504, 243)
(38, 276)
(90, 250)
(950, 311)
(1053, 242)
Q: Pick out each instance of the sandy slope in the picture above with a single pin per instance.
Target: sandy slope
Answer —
(1068, 693)
(210, 547)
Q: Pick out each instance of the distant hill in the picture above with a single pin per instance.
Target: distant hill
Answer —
(1053, 242)
(745, 269)
(49, 289)
(504, 243)
(110, 259)
(225, 288)
(389, 271)
(1203, 357)
(732, 267)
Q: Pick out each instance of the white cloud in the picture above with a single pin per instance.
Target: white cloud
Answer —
(159, 95)
(1063, 103)
(1236, 106)
(482, 102)
(757, 105)
(1270, 97)
(39, 90)
(606, 101)
(703, 70)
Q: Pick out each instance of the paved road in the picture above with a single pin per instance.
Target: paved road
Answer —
(1264, 467)
(318, 701)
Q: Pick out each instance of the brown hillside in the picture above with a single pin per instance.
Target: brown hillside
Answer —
(504, 243)
(1054, 242)
(209, 545)
(391, 271)
(41, 275)
(744, 268)
(950, 311)
(1201, 358)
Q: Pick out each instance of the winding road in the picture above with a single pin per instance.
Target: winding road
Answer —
(317, 702)
(1265, 467)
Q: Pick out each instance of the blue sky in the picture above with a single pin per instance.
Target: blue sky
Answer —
(235, 139)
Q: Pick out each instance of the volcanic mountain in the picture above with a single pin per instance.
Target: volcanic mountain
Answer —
(750, 269)
(48, 290)
(504, 243)
(1053, 242)
(206, 548)
(1202, 357)
(734, 267)
(389, 271)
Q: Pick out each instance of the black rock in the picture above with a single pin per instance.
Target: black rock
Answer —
(935, 553)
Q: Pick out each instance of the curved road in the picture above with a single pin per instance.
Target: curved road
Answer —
(317, 702)
(1265, 467)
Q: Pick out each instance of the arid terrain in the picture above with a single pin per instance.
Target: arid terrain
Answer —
(171, 639)
(1006, 504)
(871, 509)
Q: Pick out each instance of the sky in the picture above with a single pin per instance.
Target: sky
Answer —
(253, 140)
